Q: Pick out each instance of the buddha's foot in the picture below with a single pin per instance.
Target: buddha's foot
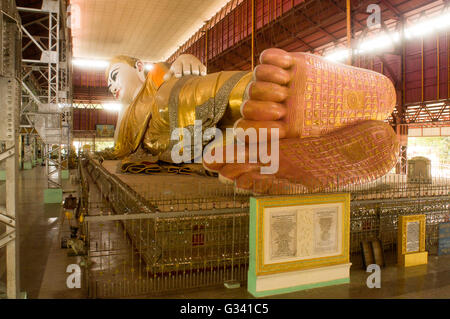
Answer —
(304, 95)
(357, 153)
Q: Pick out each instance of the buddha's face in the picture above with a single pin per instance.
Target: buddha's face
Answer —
(124, 81)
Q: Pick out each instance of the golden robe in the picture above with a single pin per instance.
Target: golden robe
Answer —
(159, 108)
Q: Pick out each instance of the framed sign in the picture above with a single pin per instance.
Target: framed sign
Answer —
(411, 240)
(105, 130)
(293, 236)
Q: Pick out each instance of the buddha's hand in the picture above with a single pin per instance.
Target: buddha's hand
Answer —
(185, 64)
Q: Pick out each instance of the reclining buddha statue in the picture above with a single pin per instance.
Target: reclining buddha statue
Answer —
(329, 117)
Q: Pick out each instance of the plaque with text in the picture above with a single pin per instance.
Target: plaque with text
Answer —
(283, 234)
(444, 239)
(326, 230)
(297, 241)
(411, 240)
(301, 232)
(412, 237)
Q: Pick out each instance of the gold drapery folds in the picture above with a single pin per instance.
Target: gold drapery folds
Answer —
(215, 99)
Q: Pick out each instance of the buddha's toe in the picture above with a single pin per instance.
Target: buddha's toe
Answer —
(263, 110)
(231, 172)
(277, 57)
(260, 131)
(272, 73)
(268, 91)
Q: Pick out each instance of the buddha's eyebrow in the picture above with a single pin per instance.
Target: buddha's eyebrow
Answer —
(111, 74)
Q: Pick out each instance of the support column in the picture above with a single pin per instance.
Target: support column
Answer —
(401, 127)
(10, 93)
(27, 158)
(253, 34)
(12, 247)
(349, 33)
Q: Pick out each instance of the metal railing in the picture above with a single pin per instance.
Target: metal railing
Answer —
(148, 240)
(139, 245)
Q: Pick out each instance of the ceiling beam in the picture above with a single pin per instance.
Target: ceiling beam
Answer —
(317, 26)
(296, 37)
(387, 66)
(344, 12)
(391, 8)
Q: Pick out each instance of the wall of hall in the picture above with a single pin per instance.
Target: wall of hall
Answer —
(86, 119)
(224, 43)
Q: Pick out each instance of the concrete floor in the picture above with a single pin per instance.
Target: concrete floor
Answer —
(43, 263)
(430, 281)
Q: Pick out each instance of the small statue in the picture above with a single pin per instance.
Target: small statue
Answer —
(329, 116)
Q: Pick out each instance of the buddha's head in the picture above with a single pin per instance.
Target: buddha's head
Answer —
(125, 77)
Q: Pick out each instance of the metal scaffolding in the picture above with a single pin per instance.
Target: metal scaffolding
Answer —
(46, 82)
(10, 92)
(35, 94)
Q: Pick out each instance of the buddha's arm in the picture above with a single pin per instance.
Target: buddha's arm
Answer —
(157, 136)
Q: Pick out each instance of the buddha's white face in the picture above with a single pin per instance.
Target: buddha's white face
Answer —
(125, 82)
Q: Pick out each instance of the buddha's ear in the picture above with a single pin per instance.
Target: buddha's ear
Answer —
(140, 66)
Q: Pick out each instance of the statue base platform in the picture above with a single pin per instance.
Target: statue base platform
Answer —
(178, 192)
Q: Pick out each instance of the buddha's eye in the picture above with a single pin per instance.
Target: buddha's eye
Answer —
(114, 76)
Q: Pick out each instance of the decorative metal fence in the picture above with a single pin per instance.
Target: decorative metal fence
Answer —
(143, 241)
